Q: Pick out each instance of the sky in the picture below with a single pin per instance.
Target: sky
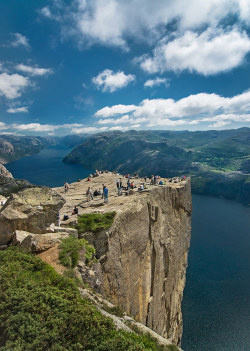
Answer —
(87, 66)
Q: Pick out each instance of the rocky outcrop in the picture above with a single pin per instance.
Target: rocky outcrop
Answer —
(4, 172)
(144, 268)
(142, 257)
(9, 185)
(32, 210)
(42, 242)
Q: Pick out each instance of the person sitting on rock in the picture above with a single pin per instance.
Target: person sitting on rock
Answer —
(96, 193)
(75, 211)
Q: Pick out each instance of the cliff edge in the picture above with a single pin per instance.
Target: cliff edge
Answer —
(143, 255)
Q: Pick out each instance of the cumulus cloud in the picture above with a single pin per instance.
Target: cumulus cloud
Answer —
(156, 82)
(20, 40)
(120, 128)
(210, 52)
(88, 130)
(18, 109)
(194, 110)
(114, 110)
(12, 85)
(111, 81)
(33, 71)
(113, 22)
(37, 127)
(123, 119)
(219, 124)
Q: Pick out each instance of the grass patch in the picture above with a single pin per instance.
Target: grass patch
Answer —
(94, 222)
(70, 248)
(41, 310)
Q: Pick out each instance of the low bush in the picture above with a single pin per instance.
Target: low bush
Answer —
(41, 310)
(70, 248)
(94, 222)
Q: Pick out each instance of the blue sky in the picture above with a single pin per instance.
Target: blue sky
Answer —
(85, 66)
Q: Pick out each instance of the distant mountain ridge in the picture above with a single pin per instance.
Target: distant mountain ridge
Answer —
(13, 147)
(218, 161)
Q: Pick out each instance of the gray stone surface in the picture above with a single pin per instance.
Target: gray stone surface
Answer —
(42, 242)
(144, 269)
(32, 210)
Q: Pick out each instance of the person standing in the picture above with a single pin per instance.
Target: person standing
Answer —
(66, 187)
(91, 194)
(106, 192)
(128, 184)
(88, 194)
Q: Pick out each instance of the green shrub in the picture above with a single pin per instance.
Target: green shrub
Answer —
(94, 222)
(70, 248)
(41, 310)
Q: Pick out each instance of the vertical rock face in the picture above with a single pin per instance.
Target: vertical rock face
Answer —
(144, 268)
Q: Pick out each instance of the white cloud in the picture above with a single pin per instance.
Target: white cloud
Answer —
(113, 22)
(156, 82)
(88, 130)
(135, 126)
(37, 127)
(211, 52)
(17, 109)
(122, 120)
(12, 85)
(34, 71)
(20, 40)
(45, 11)
(120, 128)
(3, 126)
(219, 124)
(111, 81)
(194, 110)
(114, 110)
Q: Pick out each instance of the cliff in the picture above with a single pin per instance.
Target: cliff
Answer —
(143, 255)
(8, 184)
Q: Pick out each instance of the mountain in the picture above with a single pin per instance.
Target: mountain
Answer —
(13, 147)
(217, 161)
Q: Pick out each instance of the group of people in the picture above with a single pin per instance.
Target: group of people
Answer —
(103, 193)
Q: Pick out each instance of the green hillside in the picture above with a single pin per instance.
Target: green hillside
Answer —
(41, 310)
(13, 147)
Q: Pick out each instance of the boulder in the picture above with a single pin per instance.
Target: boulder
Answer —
(9, 185)
(71, 231)
(19, 236)
(4, 172)
(42, 242)
(32, 210)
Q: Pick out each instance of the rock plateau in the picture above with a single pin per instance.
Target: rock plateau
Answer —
(143, 255)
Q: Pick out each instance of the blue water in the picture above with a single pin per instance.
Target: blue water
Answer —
(47, 168)
(216, 304)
